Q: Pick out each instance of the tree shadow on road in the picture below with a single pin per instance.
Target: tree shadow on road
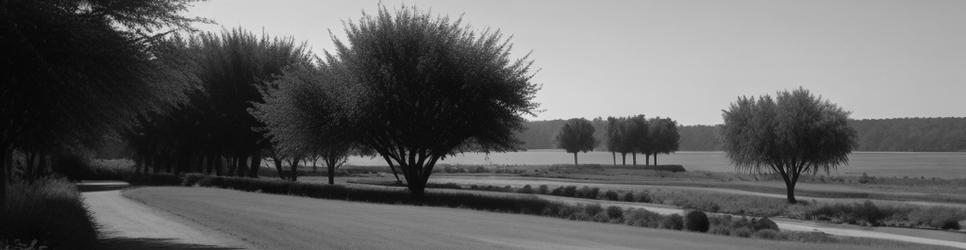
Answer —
(153, 243)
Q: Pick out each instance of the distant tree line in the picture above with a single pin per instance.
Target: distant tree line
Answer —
(946, 134)
(636, 134)
(623, 135)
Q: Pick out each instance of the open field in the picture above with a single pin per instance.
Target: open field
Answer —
(285, 222)
(882, 164)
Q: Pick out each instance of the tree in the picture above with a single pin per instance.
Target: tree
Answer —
(215, 129)
(613, 137)
(577, 136)
(304, 114)
(637, 137)
(75, 70)
(663, 136)
(427, 86)
(794, 133)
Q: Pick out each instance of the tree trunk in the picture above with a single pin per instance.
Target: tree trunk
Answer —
(242, 166)
(5, 158)
(613, 155)
(219, 163)
(634, 155)
(278, 167)
(331, 167)
(393, 168)
(294, 174)
(315, 166)
(647, 159)
(655, 159)
(575, 158)
(256, 164)
(624, 159)
(790, 189)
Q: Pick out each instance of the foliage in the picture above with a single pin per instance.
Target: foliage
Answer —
(696, 221)
(868, 213)
(48, 211)
(216, 130)
(425, 87)
(577, 136)
(304, 114)
(673, 222)
(76, 70)
(794, 133)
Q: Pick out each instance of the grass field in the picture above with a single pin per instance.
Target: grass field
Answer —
(287, 222)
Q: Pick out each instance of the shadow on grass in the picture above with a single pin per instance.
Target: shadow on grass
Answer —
(152, 243)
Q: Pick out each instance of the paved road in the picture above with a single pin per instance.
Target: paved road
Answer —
(127, 224)
(287, 222)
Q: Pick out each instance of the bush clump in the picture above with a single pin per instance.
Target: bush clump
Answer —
(611, 195)
(615, 212)
(673, 222)
(47, 212)
(696, 221)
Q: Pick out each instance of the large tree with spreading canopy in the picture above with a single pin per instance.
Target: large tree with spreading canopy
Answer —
(427, 86)
(793, 134)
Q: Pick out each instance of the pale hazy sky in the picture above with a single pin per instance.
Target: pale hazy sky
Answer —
(688, 59)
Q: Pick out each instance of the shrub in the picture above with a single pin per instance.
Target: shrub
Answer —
(936, 217)
(611, 195)
(527, 189)
(629, 197)
(588, 192)
(644, 197)
(593, 209)
(674, 222)
(615, 212)
(643, 218)
(569, 191)
(543, 189)
(696, 221)
(72, 166)
(763, 224)
(557, 191)
(49, 211)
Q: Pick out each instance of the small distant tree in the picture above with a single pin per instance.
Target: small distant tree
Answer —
(577, 135)
(637, 137)
(426, 86)
(663, 136)
(794, 133)
(613, 137)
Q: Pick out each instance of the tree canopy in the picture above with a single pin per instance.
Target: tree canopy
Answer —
(429, 86)
(577, 135)
(75, 70)
(793, 134)
(304, 113)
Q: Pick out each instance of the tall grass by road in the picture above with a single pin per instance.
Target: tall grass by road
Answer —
(45, 213)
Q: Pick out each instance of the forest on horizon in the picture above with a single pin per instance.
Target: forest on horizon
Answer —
(941, 134)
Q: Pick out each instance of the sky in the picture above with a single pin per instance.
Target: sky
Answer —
(687, 60)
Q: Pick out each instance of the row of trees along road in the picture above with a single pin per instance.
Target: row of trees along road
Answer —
(625, 135)
(792, 134)
(213, 131)
(406, 85)
(75, 70)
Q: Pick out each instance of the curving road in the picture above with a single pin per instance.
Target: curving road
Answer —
(127, 224)
(286, 222)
